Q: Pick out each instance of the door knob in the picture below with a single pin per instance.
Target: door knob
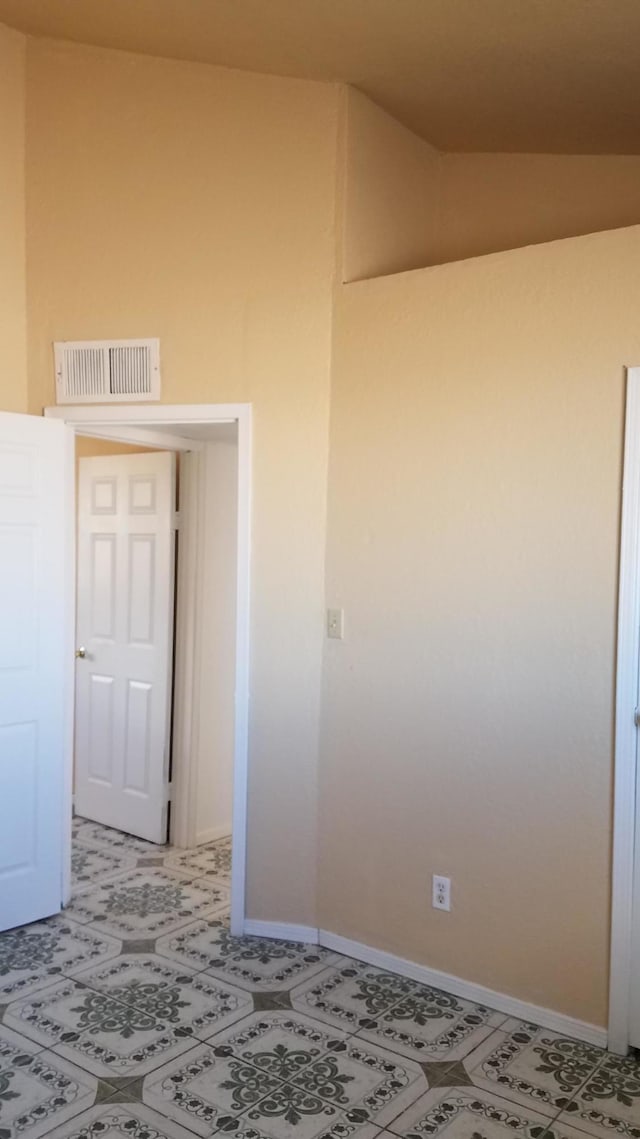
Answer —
(81, 652)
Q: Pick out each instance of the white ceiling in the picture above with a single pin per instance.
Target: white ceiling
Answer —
(471, 75)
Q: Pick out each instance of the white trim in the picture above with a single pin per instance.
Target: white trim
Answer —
(174, 415)
(241, 733)
(281, 931)
(187, 658)
(213, 834)
(144, 437)
(467, 990)
(70, 677)
(626, 731)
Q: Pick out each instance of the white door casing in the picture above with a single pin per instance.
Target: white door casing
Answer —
(624, 1010)
(34, 671)
(110, 421)
(125, 590)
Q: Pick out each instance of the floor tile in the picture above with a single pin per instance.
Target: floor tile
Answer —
(467, 1113)
(146, 902)
(532, 1066)
(212, 861)
(281, 1075)
(204, 1088)
(91, 865)
(252, 962)
(94, 1030)
(430, 1024)
(352, 996)
(12, 1044)
(609, 1102)
(446, 1074)
(95, 834)
(38, 1090)
(129, 1090)
(139, 992)
(32, 956)
(196, 1004)
(113, 1121)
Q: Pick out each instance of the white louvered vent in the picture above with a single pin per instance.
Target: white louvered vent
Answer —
(107, 371)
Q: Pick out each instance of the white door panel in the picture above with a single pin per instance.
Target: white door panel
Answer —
(125, 625)
(34, 674)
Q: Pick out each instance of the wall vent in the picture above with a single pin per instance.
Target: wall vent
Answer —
(107, 371)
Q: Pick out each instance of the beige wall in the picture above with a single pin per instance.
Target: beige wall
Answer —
(474, 500)
(88, 447)
(13, 300)
(501, 201)
(391, 196)
(407, 206)
(196, 204)
(476, 444)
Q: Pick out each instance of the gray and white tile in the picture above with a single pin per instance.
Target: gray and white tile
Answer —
(279, 1075)
(257, 963)
(210, 861)
(430, 1025)
(532, 1066)
(32, 956)
(38, 1090)
(609, 1102)
(95, 834)
(115, 1121)
(95, 1031)
(147, 902)
(468, 1113)
(352, 996)
(179, 998)
(91, 865)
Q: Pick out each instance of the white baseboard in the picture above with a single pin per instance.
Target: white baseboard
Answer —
(213, 833)
(467, 990)
(281, 931)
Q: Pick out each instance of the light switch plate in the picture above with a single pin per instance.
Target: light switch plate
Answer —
(335, 624)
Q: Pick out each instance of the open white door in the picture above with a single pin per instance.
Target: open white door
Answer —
(34, 671)
(125, 587)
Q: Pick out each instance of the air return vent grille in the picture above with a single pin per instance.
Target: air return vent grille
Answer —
(107, 371)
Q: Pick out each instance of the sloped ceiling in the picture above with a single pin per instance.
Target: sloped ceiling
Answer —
(467, 75)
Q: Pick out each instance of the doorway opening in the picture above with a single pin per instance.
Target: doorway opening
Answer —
(198, 790)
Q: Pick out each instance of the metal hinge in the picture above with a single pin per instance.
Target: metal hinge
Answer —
(636, 717)
(168, 792)
(175, 522)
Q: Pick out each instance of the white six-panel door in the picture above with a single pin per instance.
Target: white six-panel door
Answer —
(125, 588)
(35, 669)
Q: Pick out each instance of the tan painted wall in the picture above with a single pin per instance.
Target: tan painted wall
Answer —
(407, 206)
(196, 204)
(87, 447)
(474, 500)
(391, 197)
(502, 201)
(13, 298)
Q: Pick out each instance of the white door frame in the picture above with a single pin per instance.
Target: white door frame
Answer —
(626, 732)
(121, 421)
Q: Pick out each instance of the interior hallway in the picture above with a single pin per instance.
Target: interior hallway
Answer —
(136, 1013)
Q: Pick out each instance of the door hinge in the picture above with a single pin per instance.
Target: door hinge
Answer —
(175, 521)
(636, 717)
(168, 792)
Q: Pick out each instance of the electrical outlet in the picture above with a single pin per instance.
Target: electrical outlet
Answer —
(441, 893)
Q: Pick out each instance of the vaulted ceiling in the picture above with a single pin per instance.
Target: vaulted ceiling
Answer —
(471, 75)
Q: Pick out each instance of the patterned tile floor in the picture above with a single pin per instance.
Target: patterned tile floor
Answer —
(136, 1015)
